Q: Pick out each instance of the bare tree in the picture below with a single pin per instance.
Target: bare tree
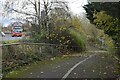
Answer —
(50, 7)
(37, 10)
(21, 8)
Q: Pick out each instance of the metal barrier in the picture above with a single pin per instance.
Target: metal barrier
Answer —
(18, 54)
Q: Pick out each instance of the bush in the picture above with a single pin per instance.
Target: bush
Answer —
(18, 55)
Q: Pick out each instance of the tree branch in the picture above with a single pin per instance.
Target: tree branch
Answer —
(22, 12)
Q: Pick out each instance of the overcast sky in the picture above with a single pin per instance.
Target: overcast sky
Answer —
(75, 7)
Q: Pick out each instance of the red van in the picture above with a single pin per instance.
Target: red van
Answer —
(16, 32)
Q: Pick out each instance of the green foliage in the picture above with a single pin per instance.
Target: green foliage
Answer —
(79, 39)
(11, 41)
(15, 56)
(39, 36)
(111, 8)
(106, 17)
(109, 24)
(76, 23)
(55, 30)
(63, 30)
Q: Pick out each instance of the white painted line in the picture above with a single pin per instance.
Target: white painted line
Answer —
(69, 71)
(98, 51)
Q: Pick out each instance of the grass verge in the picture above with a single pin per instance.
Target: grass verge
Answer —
(9, 42)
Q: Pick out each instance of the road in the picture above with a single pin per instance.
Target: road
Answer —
(9, 37)
(96, 65)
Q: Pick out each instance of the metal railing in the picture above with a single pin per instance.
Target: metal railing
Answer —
(18, 54)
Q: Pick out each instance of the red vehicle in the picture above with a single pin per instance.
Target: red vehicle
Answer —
(17, 31)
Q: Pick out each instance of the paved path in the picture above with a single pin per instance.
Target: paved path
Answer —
(91, 65)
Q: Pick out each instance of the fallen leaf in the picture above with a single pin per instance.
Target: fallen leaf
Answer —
(41, 72)
(102, 57)
(106, 66)
(52, 59)
(38, 76)
(114, 71)
(83, 70)
(67, 63)
(93, 70)
(31, 73)
(105, 73)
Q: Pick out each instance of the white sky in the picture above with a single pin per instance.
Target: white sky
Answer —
(75, 7)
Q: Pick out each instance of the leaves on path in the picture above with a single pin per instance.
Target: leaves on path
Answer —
(31, 73)
(83, 70)
(52, 59)
(93, 70)
(41, 72)
(104, 73)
